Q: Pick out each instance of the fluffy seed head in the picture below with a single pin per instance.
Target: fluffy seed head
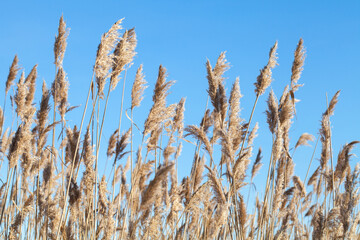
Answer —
(60, 42)
(179, 117)
(265, 78)
(30, 81)
(234, 103)
(159, 112)
(304, 139)
(12, 74)
(123, 55)
(138, 88)
(272, 112)
(20, 96)
(104, 57)
(297, 67)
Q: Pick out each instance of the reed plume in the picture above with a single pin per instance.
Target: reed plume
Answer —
(152, 191)
(265, 77)
(138, 88)
(121, 145)
(199, 134)
(112, 143)
(234, 107)
(30, 82)
(60, 42)
(20, 96)
(13, 71)
(215, 76)
(123, 55)
(297, 67)
(304, 139)
(325, 130)
(104, 57)
(146, 197)
(59, 92)
(272, 112)
(159, 112)
(343, 161)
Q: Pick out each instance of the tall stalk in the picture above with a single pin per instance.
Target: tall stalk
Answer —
(73, 163)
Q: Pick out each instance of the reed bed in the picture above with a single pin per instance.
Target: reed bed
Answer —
(53, 188)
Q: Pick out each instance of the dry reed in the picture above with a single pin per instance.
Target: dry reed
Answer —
(53, 190)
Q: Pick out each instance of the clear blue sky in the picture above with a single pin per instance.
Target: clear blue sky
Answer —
(181, 35)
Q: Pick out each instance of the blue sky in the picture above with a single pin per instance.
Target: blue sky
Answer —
(181, 35)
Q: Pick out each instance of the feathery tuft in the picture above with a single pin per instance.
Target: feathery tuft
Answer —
(123, 55)
(138, 88)
(297, 67)
(60, 42)
(104, 57)
(12, 74)
(265, 78)
(304, 139)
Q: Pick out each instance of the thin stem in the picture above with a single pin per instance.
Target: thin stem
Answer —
(131, 148)
(98, 146)
(269, 174)
(249, 123)
(72, 163)
(3, 112)
(239, 155)
(312, 157)
(331, 158)
(122, 101)
(6, 192)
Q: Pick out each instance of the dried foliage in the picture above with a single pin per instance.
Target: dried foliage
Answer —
(53, 190)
